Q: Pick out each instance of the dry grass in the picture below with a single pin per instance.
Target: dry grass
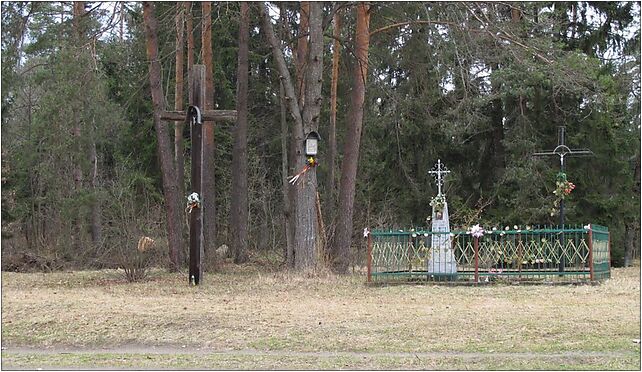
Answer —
(254, 308)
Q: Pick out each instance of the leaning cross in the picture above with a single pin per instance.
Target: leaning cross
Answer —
(439, 170)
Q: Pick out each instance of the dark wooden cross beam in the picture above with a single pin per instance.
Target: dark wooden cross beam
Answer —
(563, 151)
(207, 115)
(195, 116)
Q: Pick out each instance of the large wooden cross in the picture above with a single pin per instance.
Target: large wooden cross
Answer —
(195, 116)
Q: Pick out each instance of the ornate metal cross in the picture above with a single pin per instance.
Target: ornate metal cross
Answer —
(438, 170)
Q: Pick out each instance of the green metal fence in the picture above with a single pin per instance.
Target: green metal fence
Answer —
(570, 254)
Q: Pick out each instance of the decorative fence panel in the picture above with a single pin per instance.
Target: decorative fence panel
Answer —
(531, 255)
(601, 252)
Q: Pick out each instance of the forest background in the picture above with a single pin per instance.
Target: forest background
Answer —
(480, 86)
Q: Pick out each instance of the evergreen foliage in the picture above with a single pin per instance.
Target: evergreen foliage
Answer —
(480, 85)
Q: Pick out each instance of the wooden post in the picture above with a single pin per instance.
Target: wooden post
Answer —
(197, 90)
(369, 256)
(476, 259)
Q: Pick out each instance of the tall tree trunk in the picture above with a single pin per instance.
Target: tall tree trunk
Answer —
(295, 142)
(121, 21)
(288, 192)
(77, 233)
(336, 53)
(96, 215)
(179, 155)
(305, 213)
(189, 31)
(170, 186)
(287, 208)
(209, 186)
(302, 51)
(239, 212)
(306, 217)
(343, 238)
(632, 228)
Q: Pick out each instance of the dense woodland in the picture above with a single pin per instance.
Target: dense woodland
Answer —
(89, 166)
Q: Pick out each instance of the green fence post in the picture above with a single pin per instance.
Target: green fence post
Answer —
(590, 245)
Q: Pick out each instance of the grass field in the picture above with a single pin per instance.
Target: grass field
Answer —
(252, 317)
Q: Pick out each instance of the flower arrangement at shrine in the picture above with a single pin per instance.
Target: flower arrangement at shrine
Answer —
(563, 188)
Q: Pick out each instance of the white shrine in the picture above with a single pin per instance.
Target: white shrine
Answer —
(441, 260)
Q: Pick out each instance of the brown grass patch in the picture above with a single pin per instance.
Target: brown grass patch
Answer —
(249, 307)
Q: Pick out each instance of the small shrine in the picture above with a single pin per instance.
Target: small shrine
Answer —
(441, 260)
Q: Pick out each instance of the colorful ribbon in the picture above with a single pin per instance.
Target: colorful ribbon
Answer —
(309, 164)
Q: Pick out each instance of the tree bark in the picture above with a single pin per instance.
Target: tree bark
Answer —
(96, 215)
(288, 192)
(287, 209)
(302, 51)
(295, 141)
(336, 54)
(239, 212)
(209, 184)
(306, 217)
(170, 186)
(304, 208)
(179, 156)
(78, 35)
(189, 31)
(340, 254)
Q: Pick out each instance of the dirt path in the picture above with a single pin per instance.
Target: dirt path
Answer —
(185, 350)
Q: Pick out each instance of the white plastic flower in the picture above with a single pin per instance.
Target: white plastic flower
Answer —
(193, 198)
(477, 231)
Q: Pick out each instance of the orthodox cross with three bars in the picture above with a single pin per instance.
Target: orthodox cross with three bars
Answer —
(439, 169)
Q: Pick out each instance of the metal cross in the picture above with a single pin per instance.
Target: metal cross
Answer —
(562, 150)
(439, 170)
